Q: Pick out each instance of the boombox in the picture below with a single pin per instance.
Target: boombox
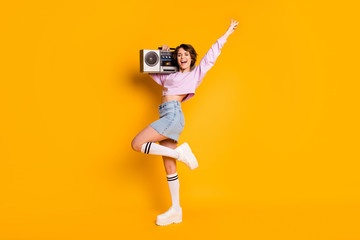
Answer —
(157, 61)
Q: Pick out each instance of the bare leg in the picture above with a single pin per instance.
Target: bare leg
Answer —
(169, 163)
(148, 134)
(172, 179)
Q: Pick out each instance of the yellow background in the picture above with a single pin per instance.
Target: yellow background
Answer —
(274, 124)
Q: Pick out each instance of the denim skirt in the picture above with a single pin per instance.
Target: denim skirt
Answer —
(171, 122)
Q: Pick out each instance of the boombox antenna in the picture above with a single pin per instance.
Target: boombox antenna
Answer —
(170, 48)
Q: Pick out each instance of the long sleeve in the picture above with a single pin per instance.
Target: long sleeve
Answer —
(209, 59)
(158, 78)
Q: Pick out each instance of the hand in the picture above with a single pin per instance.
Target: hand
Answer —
(165, 48)
(232, 27)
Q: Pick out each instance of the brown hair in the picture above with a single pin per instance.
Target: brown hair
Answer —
(188, 48)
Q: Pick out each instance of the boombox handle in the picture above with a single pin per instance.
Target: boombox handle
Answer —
(170, 48)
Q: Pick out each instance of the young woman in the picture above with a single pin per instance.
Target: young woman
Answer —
(177, 88)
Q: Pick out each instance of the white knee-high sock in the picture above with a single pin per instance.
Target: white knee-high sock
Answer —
(174, 186)
(157, 149)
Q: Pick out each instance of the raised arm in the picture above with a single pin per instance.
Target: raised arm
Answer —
(231, 28)
(210, 57)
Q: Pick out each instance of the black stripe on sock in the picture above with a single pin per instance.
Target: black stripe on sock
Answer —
(149, 147)
(172, 178)
(146, 147)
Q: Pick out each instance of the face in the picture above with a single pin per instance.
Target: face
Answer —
(184, 59)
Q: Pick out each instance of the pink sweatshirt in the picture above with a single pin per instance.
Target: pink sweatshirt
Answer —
(185, 83)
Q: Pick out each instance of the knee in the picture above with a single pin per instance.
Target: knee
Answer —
(170, 170)
(135, 145)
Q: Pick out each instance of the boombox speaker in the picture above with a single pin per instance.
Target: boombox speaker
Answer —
(157, 61)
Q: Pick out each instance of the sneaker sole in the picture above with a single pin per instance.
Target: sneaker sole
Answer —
(170, 221)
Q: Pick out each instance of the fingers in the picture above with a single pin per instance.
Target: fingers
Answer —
(234, 23)
(232, 26)
(165, 48)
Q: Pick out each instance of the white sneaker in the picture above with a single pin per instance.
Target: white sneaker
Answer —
(186, 156)
(171, 216)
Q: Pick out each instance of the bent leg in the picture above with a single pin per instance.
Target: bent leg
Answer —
(145, 142)
(148, 134)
